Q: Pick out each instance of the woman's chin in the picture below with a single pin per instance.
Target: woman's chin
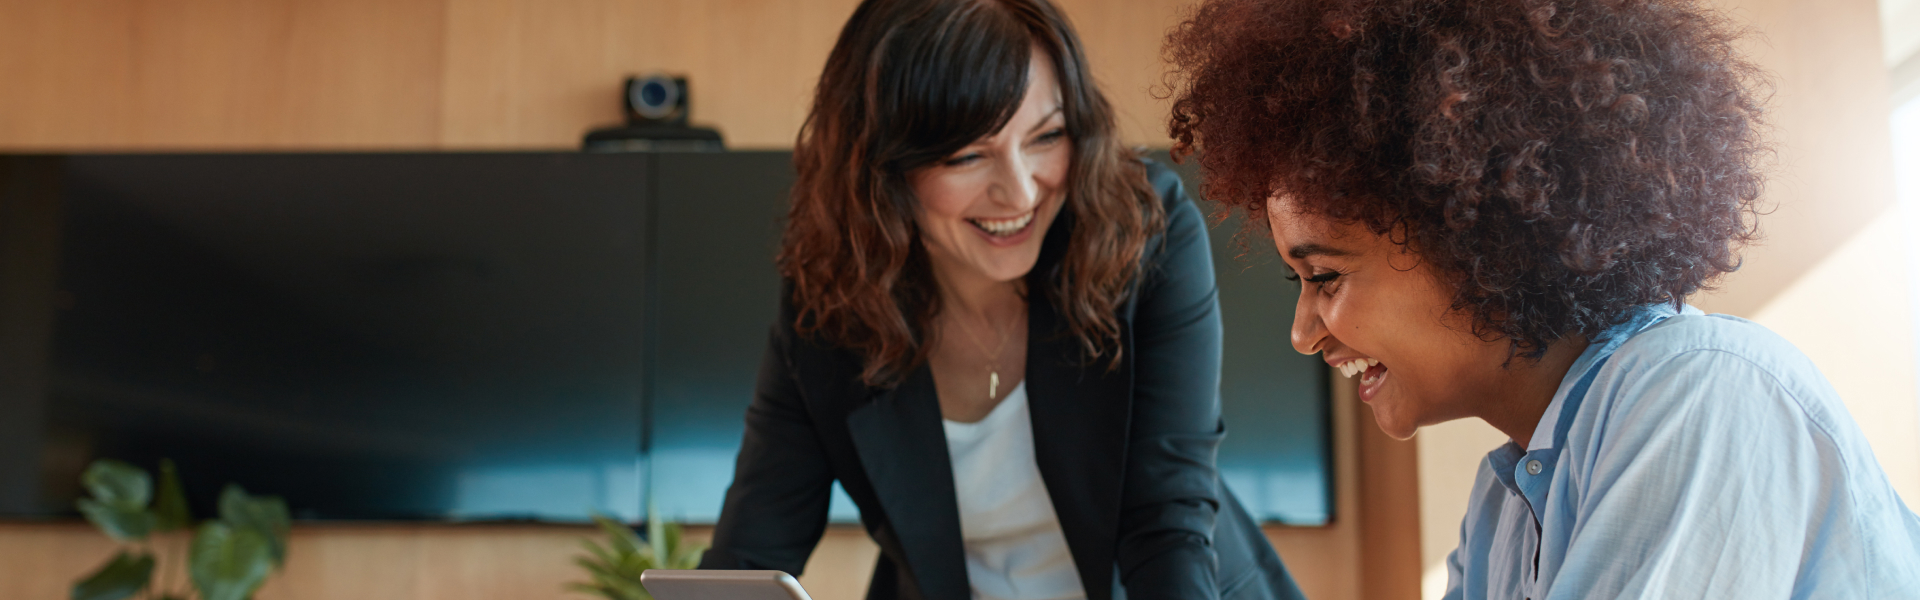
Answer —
(1395, 425)
(1010, 268)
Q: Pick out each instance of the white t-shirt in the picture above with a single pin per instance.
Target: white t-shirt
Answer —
(1015, 549)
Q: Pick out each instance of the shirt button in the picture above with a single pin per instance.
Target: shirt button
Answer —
(1533, 467)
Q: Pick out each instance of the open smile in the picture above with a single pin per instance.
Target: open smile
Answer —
(1372, 375)
(1004, 227)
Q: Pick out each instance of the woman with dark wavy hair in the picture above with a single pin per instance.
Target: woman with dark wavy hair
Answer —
(999, 333)
(1497, 209)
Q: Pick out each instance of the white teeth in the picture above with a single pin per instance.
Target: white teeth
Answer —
(1356, 366)
(1004, 226)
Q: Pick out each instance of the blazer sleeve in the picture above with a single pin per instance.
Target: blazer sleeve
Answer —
(776, 509)
(1171, 495)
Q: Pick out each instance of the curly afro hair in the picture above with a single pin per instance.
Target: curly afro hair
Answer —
(1556, 161)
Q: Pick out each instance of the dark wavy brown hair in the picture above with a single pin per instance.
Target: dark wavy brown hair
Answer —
(1556, 161)
(908, 83)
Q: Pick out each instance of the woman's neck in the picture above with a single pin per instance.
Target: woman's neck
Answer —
(979, 298)
(1521, 400)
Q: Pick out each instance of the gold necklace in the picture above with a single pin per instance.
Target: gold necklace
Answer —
(993, 357)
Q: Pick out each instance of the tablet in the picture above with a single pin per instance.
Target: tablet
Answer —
(668, 584)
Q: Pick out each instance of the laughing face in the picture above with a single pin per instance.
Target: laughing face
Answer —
(985, 209)
(1374, 310)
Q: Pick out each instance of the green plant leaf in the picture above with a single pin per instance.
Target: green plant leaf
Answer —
(170, 511)
(689, 559)
(666, 546)
(614, 568)
(620, 538)
(667, 543)
(121, 524)
(601, 560)
(596, 570)
(227, 562)
(600, 555)
(656, 536)
(610, 585)
(122, 577)
(266, 515)
(118, 484)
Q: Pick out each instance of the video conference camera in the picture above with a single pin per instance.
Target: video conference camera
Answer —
(657, 121)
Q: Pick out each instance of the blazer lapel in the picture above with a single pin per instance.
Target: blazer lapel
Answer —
(1081, 413)
(903, 448)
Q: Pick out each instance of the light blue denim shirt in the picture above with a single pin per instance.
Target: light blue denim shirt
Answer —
(1707, 459)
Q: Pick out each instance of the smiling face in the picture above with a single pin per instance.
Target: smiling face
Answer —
(985, 209)
(1373, 309)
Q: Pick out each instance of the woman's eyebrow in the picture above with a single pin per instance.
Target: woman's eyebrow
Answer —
(1044, 119)
(1303, 251)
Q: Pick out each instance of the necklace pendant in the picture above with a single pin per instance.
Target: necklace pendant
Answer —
(993, 384)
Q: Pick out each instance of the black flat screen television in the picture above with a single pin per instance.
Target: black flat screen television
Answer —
(458, 336)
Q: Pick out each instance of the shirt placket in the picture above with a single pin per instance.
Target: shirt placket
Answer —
(1532, 476)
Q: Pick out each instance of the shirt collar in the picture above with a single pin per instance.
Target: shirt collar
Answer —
(1634, 321)
(1502, 460)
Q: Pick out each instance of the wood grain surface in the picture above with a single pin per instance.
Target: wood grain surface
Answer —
(425, 74)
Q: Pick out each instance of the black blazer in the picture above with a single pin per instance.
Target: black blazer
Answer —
(1127, 454)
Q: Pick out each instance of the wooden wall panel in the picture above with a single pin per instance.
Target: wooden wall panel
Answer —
(359, 562)
(1123, 40)
(529, 72)
(525, 73)
(41, 562)
(205, 71)
(767, 67)
(466, 74)
(360, 73)
(196, 74)
(285, 73)
(66, 73)
(751, 65)
(387, 563)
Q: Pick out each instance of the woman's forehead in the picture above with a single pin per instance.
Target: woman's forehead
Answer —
(1292, 225)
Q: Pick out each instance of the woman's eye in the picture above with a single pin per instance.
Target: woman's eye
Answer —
(1057, 134)
(961, 160)
(1323, 282)
(1293, 275)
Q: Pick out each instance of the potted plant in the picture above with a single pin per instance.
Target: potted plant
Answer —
(228, 558)
(615, 568)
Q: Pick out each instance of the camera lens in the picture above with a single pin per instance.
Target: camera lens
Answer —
(653, 93)
(653, 97)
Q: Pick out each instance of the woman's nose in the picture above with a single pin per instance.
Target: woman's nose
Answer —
(1014, 183)
(1309, 332)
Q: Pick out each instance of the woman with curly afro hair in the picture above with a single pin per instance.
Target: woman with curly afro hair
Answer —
(1497, 209)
